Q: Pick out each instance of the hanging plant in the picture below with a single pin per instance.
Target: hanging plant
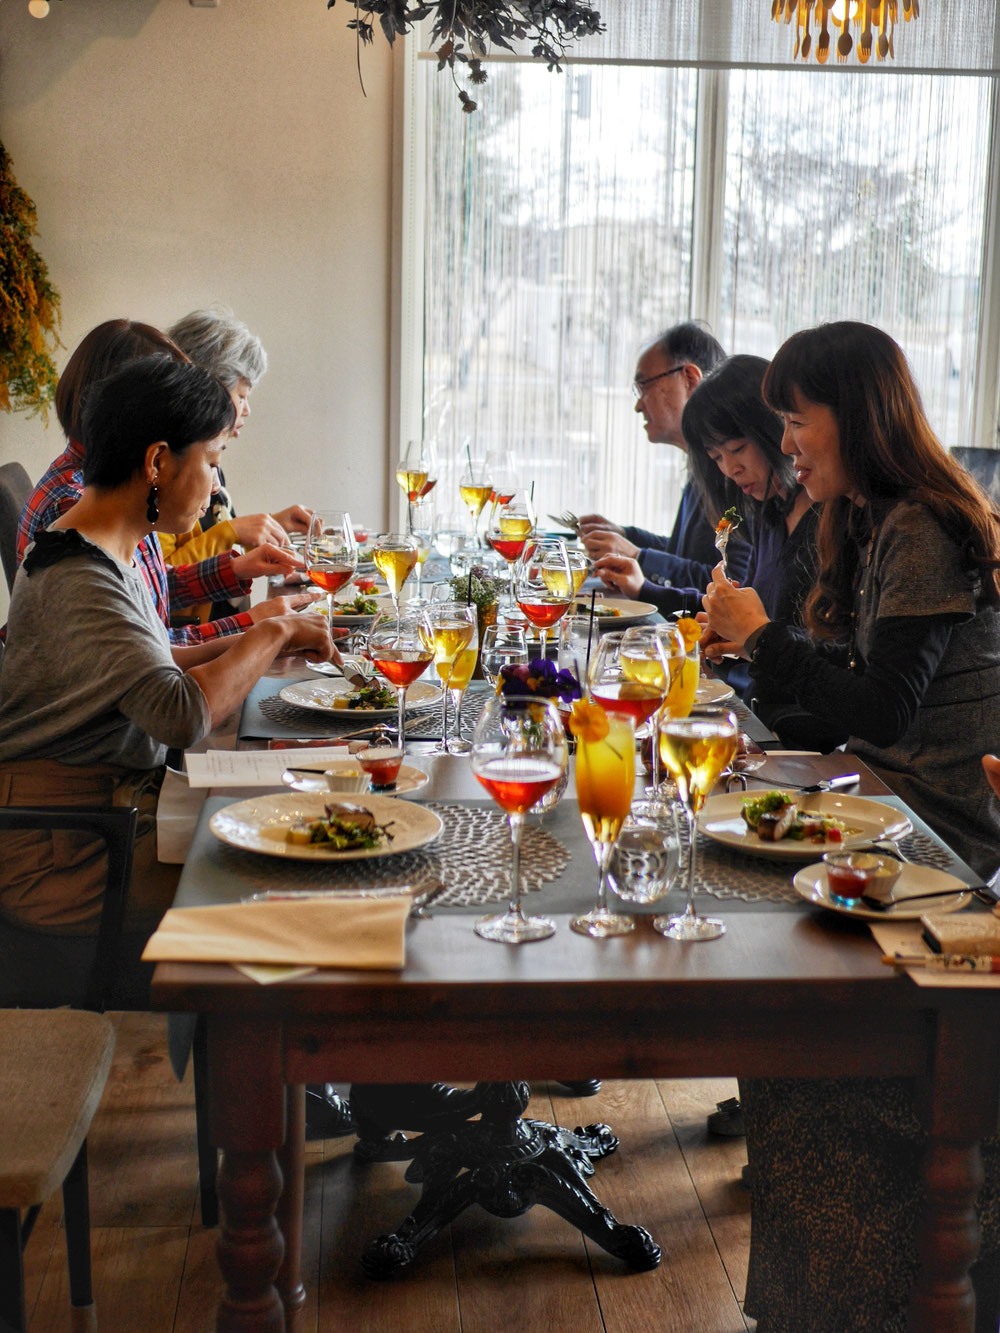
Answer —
(466, 29)
(29, 305)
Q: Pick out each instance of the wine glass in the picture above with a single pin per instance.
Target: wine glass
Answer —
(399, 649)
(452, 626)
(622, 680)
(458, 682)
(503, 478)
(509, 529)
(475, 488)
(696, 749)
(518, 754)
(544, 586)
(395, 555)
(422, 532)
(412, 471)
(331, 552)
(655, 655)
(605, 779)
(503, 645)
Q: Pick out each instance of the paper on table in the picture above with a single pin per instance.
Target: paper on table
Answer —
(251, 768)
(317, 932)
(905, 937)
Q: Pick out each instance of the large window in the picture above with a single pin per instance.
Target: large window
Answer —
(575, 215)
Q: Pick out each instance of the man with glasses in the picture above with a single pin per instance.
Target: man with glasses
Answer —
(668, 371)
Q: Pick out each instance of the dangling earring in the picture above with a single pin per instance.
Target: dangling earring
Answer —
(152, 510)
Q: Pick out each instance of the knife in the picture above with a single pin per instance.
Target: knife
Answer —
(352, 674)
(827, 784)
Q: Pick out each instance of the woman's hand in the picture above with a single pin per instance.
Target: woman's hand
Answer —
(991, 767)
(619, 571)
(294, 519)
(733, 613)
(266, 560)
(310, 637)
(285, 605)
(603, 541)
(257, 529)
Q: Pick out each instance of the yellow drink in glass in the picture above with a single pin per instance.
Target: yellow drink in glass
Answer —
(513, 526)
(474, 497)
(461, 671)
(411, 482)
(395, 566)
(605, 779)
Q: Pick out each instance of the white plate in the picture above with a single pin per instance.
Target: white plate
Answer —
(319, 696)
(260, 825)
(721, 820)
(613, 612)
(350, 620)
(811, 884)
(408, 779)
(713, 691)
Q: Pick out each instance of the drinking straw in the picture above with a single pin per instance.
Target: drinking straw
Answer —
(468, 455)
(532, 496)
(590, 627)
(468, 594)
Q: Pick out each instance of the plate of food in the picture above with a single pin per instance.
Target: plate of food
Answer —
(711, 691)
(373, 700)
(796, 825)
(352, 612)
(811, 884)
(613, 612)
(324, 828)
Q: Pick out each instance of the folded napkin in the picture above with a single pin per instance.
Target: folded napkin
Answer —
(319, 932)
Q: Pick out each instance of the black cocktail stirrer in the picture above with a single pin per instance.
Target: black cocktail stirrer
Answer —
(590, 627)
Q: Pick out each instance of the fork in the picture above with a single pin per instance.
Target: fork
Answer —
(567, 519)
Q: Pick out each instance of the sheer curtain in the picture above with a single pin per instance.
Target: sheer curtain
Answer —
(562, 219)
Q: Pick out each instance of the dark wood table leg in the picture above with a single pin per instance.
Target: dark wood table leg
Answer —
(963, 1110)
(291, 1159)
(246, 1096)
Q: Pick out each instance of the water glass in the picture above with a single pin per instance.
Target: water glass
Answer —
(503, 645)
(646, 858)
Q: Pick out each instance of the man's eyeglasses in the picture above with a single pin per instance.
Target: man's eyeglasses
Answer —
(639, 387)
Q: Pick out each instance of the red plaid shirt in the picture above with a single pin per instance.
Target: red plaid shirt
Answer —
(169, 585)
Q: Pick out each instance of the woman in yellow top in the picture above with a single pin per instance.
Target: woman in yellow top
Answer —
(223, 345)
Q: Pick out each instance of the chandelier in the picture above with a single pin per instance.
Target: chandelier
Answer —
(824, 30)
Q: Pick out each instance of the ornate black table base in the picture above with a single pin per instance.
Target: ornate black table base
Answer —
(500, 1161)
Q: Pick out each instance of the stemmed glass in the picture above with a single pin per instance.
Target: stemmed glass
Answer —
(412, 471)
(475, 488)
(331, 553)
(503, 645)
(452, 626)
(605, 778)
(458, 683)
(395, 555)
(655, 655)
(696, 749)
(544, 586)
(623, 680)
(422, 532)
(518, 754)
(509, 530)
(399, 649)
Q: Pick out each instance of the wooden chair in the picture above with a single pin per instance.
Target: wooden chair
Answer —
(53, 1067)
(15, 487)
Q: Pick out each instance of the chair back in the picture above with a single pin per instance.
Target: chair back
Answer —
(983, 465)
(15, 488)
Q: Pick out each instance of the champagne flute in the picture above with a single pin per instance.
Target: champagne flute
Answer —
(475, 488)
(395, 555)
(398, 648)
(422, 532)
(503, 645)
(331, 553)
(605, 779)
(696, 749)
(458, 683)
(509, 530)
(452, 626)
(518, 754)
(544, 586)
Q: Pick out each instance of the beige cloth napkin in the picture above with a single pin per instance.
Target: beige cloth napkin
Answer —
(321, 932)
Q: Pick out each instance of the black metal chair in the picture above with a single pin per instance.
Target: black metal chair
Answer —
(15, 487)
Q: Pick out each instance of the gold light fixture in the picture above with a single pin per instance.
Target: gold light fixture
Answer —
(822, 30)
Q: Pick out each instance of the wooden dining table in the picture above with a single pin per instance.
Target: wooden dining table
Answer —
(788, 991)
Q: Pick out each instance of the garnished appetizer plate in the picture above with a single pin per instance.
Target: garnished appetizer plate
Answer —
(863, 821)
(320, 695)
(262, 824)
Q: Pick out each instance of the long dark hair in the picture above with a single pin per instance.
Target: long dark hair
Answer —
(728, 405)
(888, 451)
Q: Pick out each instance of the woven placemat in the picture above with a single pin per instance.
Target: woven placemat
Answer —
(471, 858)
(421, 724)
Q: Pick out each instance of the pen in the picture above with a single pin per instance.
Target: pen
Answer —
(945, 962)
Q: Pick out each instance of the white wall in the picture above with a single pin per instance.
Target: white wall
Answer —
(179, 157)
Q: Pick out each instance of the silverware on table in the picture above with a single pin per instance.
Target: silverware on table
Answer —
(887, 904)
(826, 784)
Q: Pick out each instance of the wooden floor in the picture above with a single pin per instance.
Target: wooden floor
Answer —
(154, 1266)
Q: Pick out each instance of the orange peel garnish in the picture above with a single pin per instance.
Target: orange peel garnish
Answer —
(690, 631)
(588, 721)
